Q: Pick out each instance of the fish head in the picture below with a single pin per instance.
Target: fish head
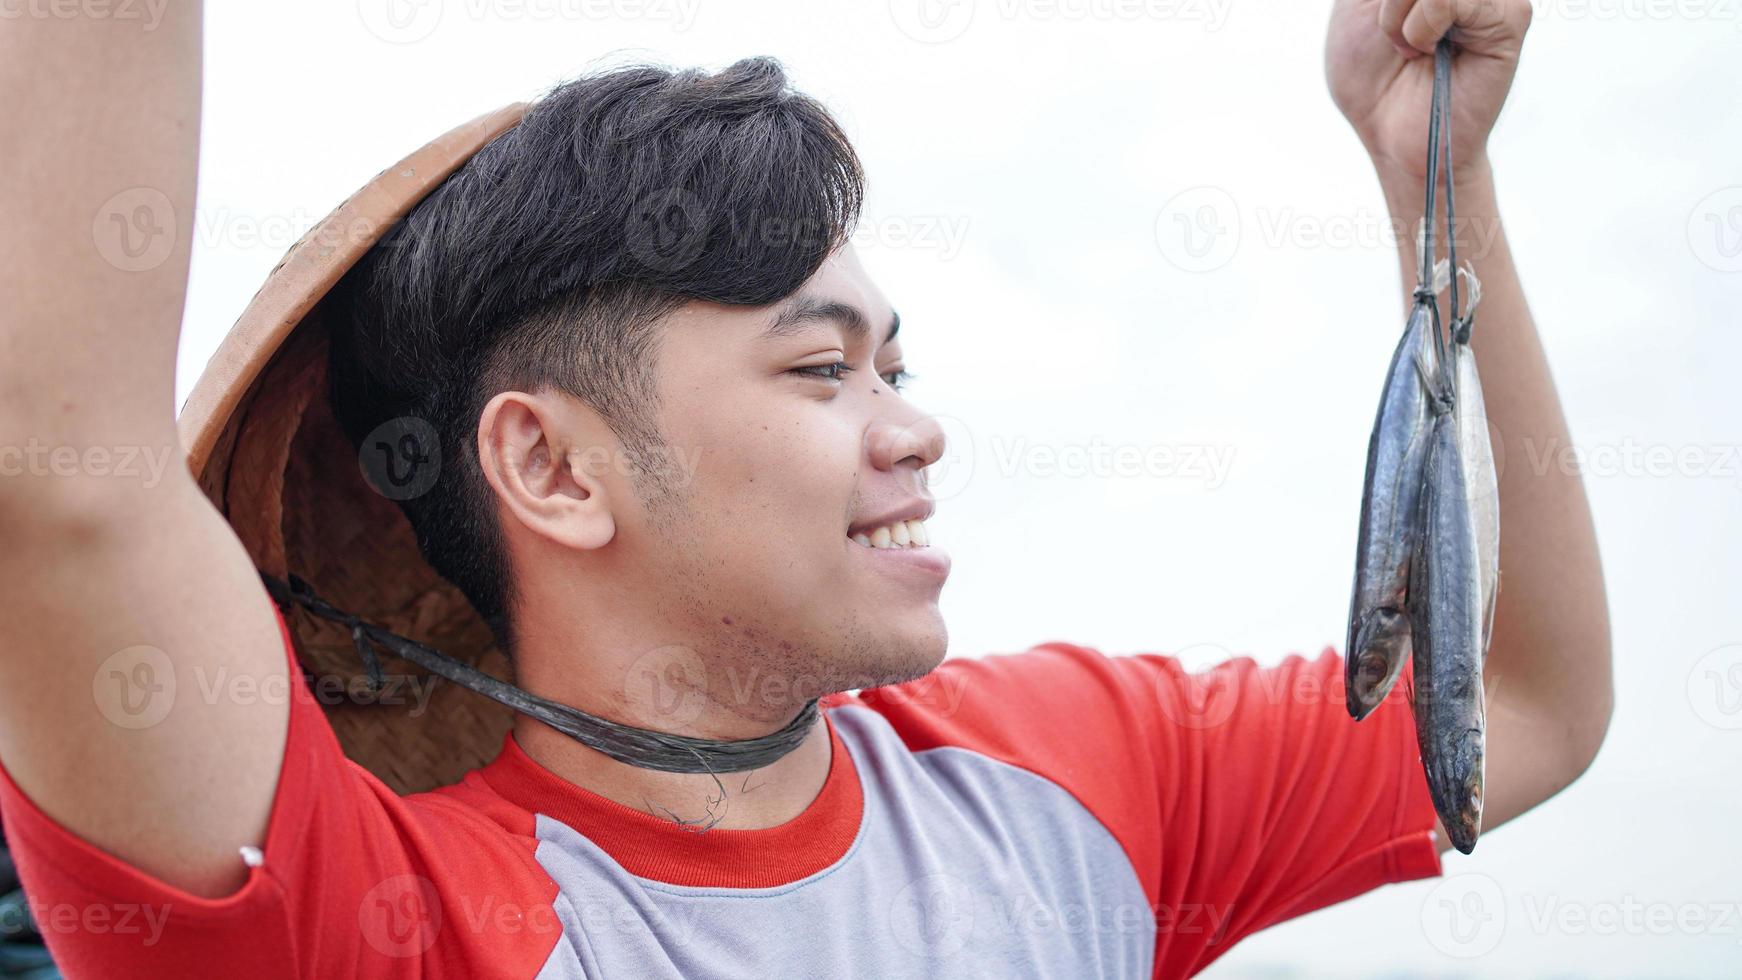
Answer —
(1377, 656)
(1455, 782)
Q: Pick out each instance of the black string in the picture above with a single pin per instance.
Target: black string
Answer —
(641, 747)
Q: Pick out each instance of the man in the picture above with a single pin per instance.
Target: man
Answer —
(1054, 812)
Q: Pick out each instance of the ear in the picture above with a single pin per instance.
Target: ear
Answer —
(523, 448)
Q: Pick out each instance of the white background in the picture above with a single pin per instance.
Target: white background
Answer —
(1027, 160)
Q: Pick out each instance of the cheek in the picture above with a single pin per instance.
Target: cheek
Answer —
(777, 486)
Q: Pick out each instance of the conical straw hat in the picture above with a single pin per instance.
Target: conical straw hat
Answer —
(268, 452)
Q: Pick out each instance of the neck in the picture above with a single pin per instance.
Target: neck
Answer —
(752, 800)
(649, 671)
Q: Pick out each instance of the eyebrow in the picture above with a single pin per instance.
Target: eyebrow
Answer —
(806, 310)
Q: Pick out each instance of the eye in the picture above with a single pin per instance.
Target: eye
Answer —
(827, 372)
(898, 379)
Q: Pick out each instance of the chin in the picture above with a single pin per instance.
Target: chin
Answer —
(913, 652)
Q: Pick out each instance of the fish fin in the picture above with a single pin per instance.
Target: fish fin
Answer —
(1473, 286)
(1462, 325)
(1425, 371)
(1442, 276)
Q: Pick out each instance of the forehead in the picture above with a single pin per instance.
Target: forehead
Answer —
(842, 278)
(840, 291)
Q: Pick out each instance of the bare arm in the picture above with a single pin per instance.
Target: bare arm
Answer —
(109, 545)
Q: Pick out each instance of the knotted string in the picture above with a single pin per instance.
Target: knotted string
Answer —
(642, 747)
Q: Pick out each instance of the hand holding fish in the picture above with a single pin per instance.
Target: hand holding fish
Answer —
(1379, 63)
(1512, 686)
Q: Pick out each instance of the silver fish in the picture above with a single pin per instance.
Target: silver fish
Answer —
(1446, 614)
(1379, 632)
(1478, 456)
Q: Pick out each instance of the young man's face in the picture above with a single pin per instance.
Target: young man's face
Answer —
(794, 443)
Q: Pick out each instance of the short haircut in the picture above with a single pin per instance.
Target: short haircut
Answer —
(549, 258)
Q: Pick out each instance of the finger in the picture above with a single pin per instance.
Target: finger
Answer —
(1427, 22)
(1391, 17)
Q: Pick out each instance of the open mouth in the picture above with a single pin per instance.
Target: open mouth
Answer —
(899, 534)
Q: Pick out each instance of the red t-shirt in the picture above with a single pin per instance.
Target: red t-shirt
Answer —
(1052, 812)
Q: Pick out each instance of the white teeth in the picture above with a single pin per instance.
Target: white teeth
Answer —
(901, 534)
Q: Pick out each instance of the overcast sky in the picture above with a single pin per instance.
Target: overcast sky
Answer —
(1159, 439)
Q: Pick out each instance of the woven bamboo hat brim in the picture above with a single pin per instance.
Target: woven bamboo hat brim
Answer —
(268, 452)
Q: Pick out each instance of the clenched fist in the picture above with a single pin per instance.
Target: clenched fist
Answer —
(1379, 63)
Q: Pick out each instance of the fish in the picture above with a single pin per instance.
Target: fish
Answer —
(1446, 618)
(1379, 630)
(1478, 454)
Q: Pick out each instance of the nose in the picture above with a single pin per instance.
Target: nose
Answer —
(913, 438)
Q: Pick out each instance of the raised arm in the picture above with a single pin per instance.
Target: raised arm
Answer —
(1547, 674)
(129, 606)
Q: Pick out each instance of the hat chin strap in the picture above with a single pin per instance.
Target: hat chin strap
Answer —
(642, 747)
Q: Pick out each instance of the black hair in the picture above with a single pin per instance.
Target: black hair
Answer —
(550, 256)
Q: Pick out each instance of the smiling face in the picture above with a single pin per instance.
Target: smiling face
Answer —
(799, 442)
(785, 544)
